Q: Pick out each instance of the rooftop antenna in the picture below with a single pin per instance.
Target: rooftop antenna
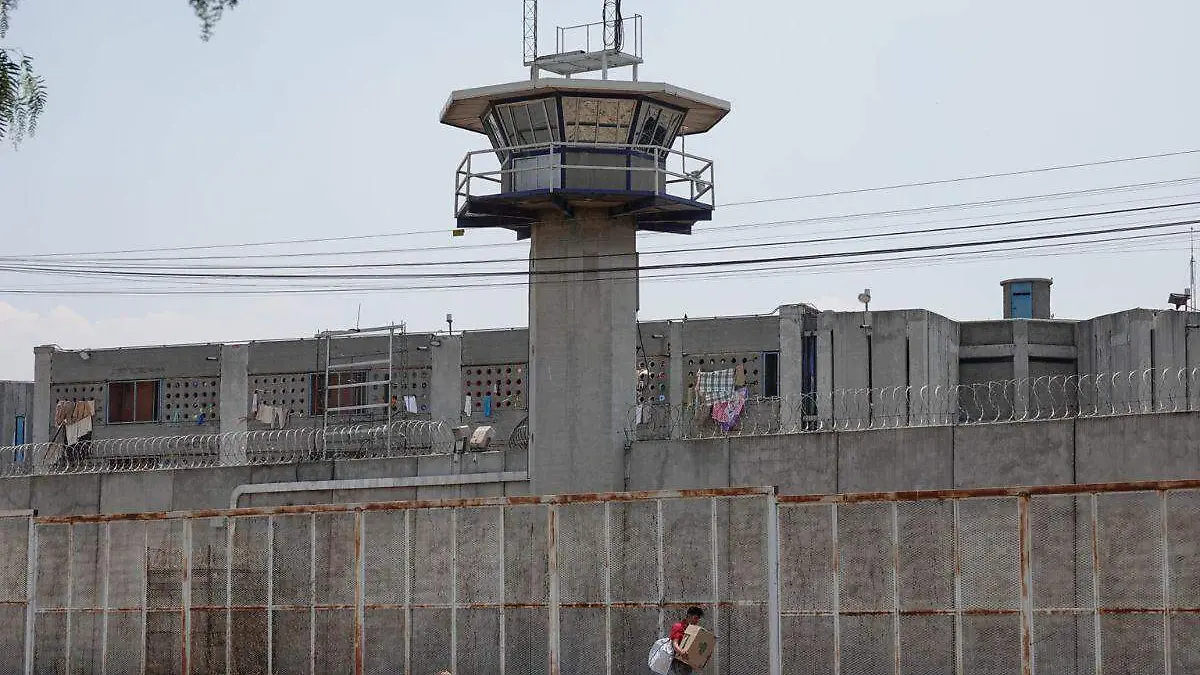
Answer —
(584, 48)
(1192, 271)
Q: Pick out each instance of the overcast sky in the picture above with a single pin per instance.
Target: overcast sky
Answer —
(305, 119)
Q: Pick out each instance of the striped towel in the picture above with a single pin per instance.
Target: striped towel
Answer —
(715, 386)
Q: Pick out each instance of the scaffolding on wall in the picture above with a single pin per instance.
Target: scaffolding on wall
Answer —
(352, 370)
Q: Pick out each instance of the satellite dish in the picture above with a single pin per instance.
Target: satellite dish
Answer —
(865, 297)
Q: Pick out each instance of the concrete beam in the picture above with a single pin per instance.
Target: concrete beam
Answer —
(38, 428)
(791, 352)
(235, 401)
(445, 379)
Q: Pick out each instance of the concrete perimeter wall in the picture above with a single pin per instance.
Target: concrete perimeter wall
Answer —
(1098, 450)
(194, 489)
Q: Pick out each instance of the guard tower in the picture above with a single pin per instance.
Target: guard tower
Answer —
(579, 166)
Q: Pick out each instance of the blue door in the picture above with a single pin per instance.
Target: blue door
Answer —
(1021, 301)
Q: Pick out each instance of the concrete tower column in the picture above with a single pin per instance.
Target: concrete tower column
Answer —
(37, 430)
(582, 349)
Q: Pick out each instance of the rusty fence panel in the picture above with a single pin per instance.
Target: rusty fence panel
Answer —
(573, 585)
(1055, 580)
(1060, 580)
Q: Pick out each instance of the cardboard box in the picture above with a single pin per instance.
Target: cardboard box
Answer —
(697, 647)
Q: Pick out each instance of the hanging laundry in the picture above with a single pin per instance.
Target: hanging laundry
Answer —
(467, 406)
(78, 429)
(637, 414)
(282, 415)
(410, 404)
(715, 386)
(62, 412)
(728, 413)
(487, 405)
(739, 375)
(265, 414)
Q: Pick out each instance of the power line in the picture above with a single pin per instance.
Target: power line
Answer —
(618, 269)
(765, 200)
(232, 288)
(963, 179)
(73, 267)
(841, 218)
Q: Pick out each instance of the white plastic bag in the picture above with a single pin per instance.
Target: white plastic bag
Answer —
(661, 656)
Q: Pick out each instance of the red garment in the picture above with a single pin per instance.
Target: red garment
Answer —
(677, 631)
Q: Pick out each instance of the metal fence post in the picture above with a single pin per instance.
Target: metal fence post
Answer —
(956, 536)
(185, 593)
(312, 591)
(360, 591)
(145, 593)
(1026, 585)
(270, 594)
(1166, 584)
(895, 527)
(715, 572)
(837, 592)
(408, 587)
(662, 570)
(774, 619)
(1097, 648)
(105, 569)
(230, 524)
(608, 638)
(31, 593)
(70, 599)
(454, 590)
(503, 655)
(552, 646)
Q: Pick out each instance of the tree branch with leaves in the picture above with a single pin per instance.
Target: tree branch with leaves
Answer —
(23, 91)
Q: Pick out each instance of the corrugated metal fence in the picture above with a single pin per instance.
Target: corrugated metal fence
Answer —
(1080, 579)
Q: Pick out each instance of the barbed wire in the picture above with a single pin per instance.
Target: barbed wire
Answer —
(1048, 397)
(403, 438)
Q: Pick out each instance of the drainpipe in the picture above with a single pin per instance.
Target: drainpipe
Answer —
(375, 483)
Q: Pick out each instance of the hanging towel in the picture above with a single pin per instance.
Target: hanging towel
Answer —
(715, 386)
(467, 406)
(410, 404)
(487, 405)
(739, 375)
(265, 414)
(637, 414)
(728, 413)
(78, 429)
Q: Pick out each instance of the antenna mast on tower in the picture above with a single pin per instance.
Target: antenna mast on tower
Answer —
(1192, 271)
(585, 48)
(531, 32)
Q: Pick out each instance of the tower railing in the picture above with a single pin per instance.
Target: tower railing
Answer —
(548, 167)
(597, 36)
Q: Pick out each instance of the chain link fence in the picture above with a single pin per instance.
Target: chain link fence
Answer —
(1056, 580)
